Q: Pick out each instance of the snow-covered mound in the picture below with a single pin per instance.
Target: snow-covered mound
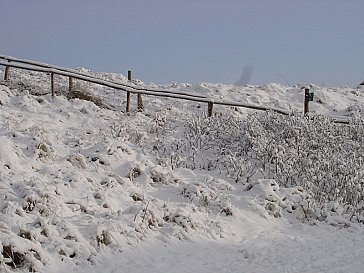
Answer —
(84, 187)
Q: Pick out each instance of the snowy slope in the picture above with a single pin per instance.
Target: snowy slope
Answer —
(85, 188)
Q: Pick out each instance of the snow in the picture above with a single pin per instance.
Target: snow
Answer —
(264, 250)
(92, 189)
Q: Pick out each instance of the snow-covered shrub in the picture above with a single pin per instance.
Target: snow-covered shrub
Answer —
(201, 142)
(322, 157)
(163, 175)
(210, 195)
(44, 151)
(295, 201)
(134, 172)
(77, 160)
(137, 197)
(182, 218)
(103, 238)
(21, 253)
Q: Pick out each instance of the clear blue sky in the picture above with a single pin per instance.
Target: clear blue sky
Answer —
(256, 41)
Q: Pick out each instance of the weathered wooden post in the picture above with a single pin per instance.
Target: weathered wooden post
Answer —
(52, 83)
(308, 98)
(70, 84)
(128, 94)
(306, 103)
(140, 103)
(7, 73)
(210, 106)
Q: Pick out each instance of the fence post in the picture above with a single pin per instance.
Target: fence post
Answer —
(128, 94)
(210, 106)
(52, 83)
(70, 84)
(7, 73)
(307, 101)
(140, 103)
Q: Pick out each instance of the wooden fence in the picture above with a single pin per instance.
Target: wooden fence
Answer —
(11, 62)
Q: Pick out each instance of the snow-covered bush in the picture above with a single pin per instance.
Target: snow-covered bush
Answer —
(322, 157)
(210, 195)
(20, 253)
(163, 175)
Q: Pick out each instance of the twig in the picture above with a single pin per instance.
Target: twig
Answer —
(145, 212)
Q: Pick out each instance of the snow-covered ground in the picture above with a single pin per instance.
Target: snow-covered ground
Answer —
(90, 189)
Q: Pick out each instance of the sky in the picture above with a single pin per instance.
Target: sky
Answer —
(225, 41)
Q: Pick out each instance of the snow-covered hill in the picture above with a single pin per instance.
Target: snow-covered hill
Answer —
(92, 189)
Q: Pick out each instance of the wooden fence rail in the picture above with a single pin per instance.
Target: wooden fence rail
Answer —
(106, 83)
(132, 90)
(62, 69)
(128, 88)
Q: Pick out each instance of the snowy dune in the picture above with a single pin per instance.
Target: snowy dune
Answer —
(91, 189)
